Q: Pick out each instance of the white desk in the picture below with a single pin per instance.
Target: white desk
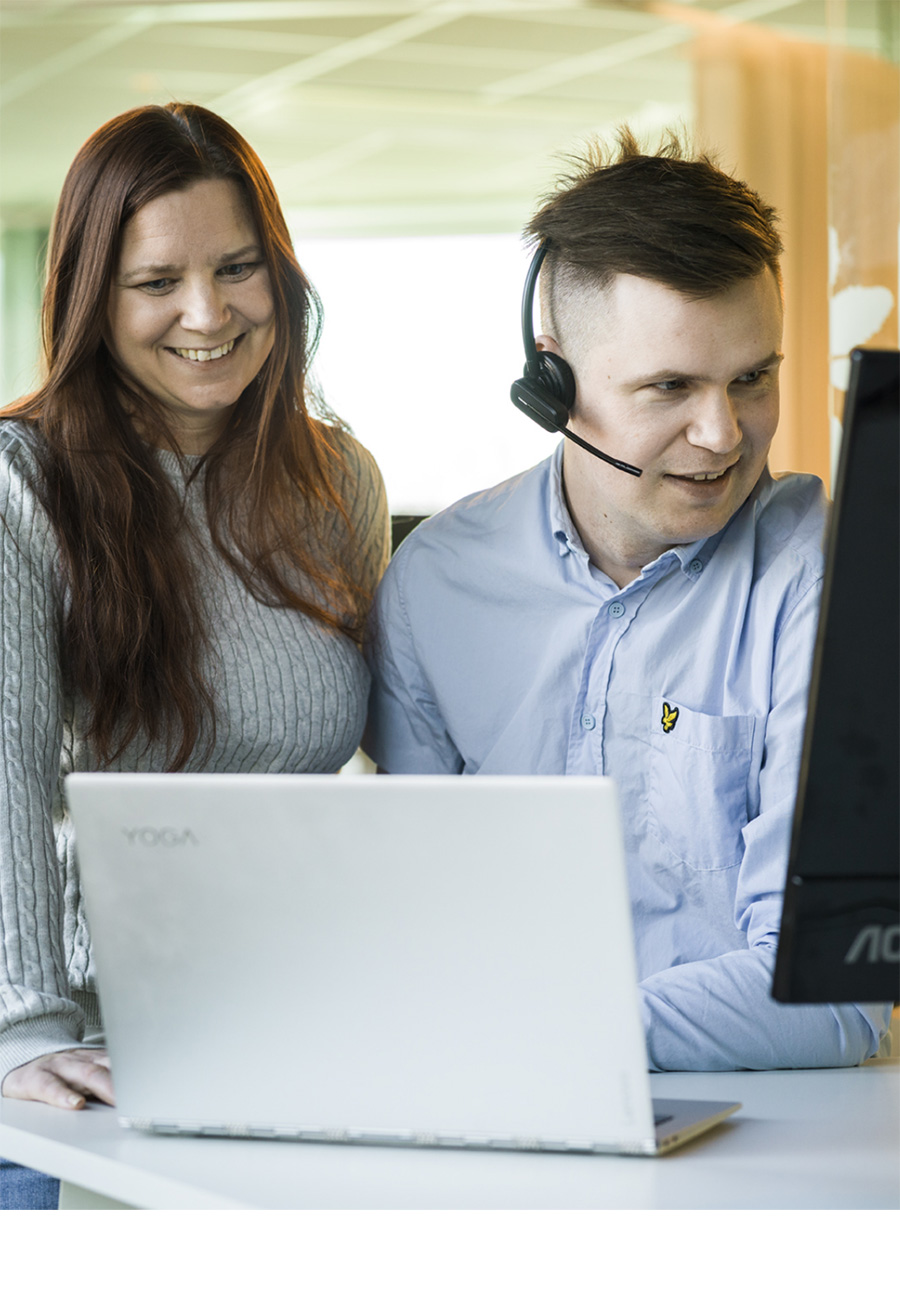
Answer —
(812, 1139)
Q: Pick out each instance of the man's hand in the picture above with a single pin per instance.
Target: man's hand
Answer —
(63, 1079)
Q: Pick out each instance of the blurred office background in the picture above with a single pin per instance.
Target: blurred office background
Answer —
(409, 141)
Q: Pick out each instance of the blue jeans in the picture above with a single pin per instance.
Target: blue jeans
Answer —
(23, 1187)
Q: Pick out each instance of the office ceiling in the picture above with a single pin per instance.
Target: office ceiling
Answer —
(390, 116)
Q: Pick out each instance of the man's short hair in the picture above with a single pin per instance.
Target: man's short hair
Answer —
(668, 216)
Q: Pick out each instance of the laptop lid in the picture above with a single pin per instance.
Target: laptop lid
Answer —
(447, 960)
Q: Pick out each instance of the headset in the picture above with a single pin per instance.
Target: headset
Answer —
(546, 390)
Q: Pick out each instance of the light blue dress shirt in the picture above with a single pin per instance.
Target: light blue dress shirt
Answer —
(499, 648)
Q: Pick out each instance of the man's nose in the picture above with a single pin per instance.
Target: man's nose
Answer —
(714, 425)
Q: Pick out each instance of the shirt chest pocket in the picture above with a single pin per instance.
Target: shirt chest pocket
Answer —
(699, 784)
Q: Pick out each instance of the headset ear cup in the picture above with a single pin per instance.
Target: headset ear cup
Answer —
(533, 399)
(546, 391)
(557, 377)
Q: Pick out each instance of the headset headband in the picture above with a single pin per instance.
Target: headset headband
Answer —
(546, 390)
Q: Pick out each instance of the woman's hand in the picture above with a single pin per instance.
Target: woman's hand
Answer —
(63, 1079)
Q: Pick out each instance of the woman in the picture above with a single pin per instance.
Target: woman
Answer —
(188, 544)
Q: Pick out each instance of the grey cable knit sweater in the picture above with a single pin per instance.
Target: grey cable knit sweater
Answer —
(291, 697)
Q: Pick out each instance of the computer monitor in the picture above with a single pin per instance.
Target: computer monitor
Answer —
(840, 934)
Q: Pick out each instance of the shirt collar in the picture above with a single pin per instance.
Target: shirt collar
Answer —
(692, 557)
(562, 526)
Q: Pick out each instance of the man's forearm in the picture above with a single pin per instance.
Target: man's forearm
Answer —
(719, 1014)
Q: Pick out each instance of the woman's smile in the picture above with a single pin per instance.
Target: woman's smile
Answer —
(204, 356)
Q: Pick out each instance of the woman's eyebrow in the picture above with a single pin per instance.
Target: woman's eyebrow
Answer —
(160, 271)
(251, 249)
(141, 271)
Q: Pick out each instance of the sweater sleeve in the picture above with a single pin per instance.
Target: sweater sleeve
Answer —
(37, 1015)
(367, 507)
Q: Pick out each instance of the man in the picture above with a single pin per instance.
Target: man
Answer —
(651, 620)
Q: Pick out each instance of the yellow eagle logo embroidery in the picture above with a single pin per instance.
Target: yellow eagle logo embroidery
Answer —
(669, 717)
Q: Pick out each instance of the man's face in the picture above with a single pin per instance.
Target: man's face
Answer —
(686, 390)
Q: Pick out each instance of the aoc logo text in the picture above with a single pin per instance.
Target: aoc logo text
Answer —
(875, 943)
(152, 837)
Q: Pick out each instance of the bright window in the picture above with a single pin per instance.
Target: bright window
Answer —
(421, 342)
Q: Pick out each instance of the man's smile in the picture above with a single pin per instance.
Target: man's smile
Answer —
(702, 477)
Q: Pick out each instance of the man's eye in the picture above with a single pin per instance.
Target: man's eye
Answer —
(673, 384)
(752, 378)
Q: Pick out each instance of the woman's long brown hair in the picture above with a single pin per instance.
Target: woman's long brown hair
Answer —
(133, 636)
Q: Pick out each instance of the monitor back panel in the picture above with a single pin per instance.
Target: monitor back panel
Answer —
(840, 936)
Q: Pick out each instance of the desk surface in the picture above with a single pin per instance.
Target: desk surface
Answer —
(818, 1139)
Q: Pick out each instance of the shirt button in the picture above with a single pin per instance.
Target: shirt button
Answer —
(696, 566)
(616, 610)
(588, 722)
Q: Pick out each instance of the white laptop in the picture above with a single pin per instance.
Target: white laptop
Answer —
(441, 961)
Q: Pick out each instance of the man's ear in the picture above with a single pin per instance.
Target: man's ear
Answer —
(548, 343)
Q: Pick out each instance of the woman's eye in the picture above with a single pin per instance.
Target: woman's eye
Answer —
(156, 285)
(674, 384)
(240, 270)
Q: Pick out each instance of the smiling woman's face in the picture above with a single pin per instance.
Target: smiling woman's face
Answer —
(190, 316)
